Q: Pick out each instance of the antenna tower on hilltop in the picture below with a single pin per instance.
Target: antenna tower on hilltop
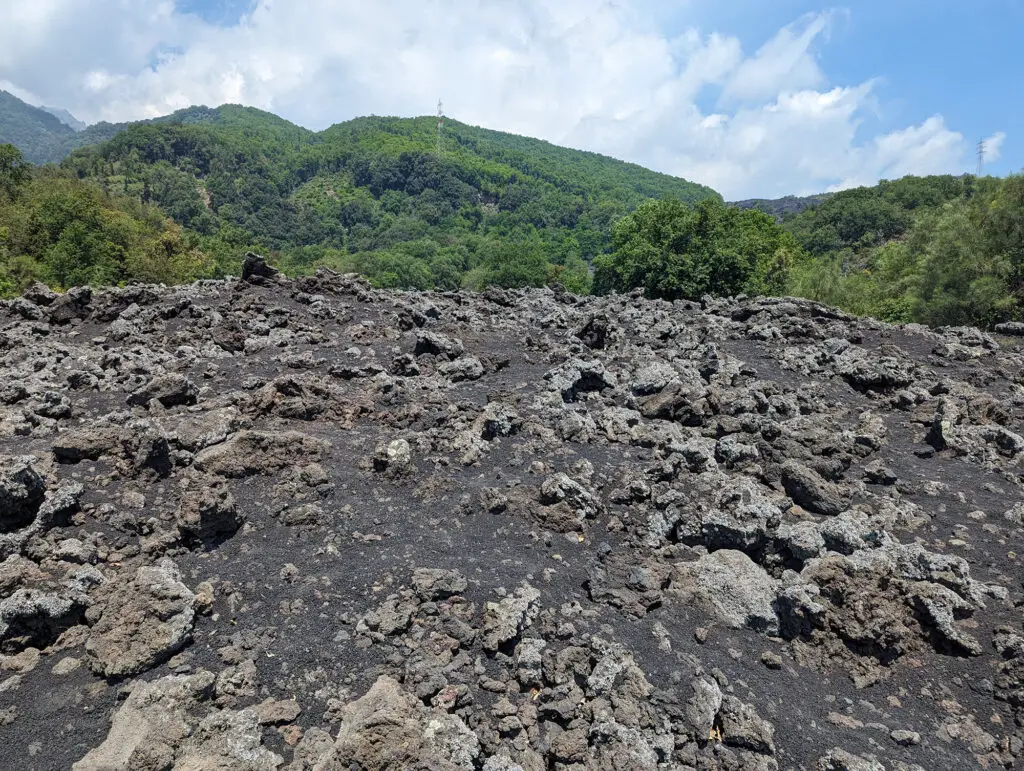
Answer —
(440, 128)
(981, 156)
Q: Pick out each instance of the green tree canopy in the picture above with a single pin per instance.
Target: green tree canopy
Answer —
(672, 250)
(15, 171)
(957, 259)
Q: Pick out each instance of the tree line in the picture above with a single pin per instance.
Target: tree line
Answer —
(939, 250)
(177, 201)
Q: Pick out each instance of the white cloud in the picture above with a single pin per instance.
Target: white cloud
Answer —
(783, 63)
(22, 94)
(994, 147)
(914, 150)
(597, 76)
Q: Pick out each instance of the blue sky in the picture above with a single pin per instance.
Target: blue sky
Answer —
(224, 13)
(961, 58)
(752, 98)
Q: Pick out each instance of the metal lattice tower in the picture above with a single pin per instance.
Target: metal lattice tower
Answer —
(440, 128)
(981, 156)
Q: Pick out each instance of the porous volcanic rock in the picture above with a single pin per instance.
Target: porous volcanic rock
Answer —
(302, 523)
(142, 622)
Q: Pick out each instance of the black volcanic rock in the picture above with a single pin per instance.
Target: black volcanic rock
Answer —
(307, 524)
(255, 266)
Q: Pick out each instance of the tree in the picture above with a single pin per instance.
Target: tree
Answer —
(961, 281)
(15, 172)
(1003, 227)
(515, 262)
(674, 251)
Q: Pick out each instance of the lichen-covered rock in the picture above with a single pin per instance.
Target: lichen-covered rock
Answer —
(36, 617)
(389, 728)
(247, 453)
(566, 504)
(732, 587)
(89, 443)
(436, 584)
(56, 508)
(21, 492)
(518, 530)
(742, 727)
(157, 728)
(144, 622)
(170, 390)
(207, 513)
(227, 739)
(809, 490)
(437, 344)
(505, 619)
(146, 730)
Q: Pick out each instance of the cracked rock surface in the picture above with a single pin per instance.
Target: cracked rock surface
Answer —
(303, 524)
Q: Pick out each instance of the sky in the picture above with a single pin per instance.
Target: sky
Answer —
(754, 98)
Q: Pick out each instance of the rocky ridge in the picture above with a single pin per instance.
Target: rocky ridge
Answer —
(305, 524)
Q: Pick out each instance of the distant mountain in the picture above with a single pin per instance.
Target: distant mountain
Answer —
(781, 207)
(372, 194)
(65, 117)
(49, 135)
(184, 196)
(40, 136)
(862, 218)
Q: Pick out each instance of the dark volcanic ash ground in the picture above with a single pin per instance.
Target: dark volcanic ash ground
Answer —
(304, 524)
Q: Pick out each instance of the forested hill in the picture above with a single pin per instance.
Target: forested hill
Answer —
(39, 135)
(938, 250)
(373, 195)
(185, 196)
(43, 137)
(780, 208)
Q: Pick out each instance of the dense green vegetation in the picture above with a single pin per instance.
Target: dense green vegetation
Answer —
(64, 231)
(937, 250)
(780, 208)
(373, 195)
(185, 196)
(675, 251)
(39, 135)
(43, 138)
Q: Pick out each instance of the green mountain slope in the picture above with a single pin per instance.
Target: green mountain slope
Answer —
(186, 195)
(780, 208)
(65, 117)
(40, 136)
(937, 250)
(46, 135)
(373, 195)
(564, 168)
(864, 217)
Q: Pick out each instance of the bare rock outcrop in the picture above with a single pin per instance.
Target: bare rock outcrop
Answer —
(258, 452)
(157, 728)
(390, 728)
(142, 622)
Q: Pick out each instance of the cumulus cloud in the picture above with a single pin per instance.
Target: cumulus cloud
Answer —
(994, 147)
(915, 150)
(784, 63)
(599, 76)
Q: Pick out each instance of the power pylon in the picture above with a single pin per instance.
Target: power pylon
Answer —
(981, 156)
(440, 129)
